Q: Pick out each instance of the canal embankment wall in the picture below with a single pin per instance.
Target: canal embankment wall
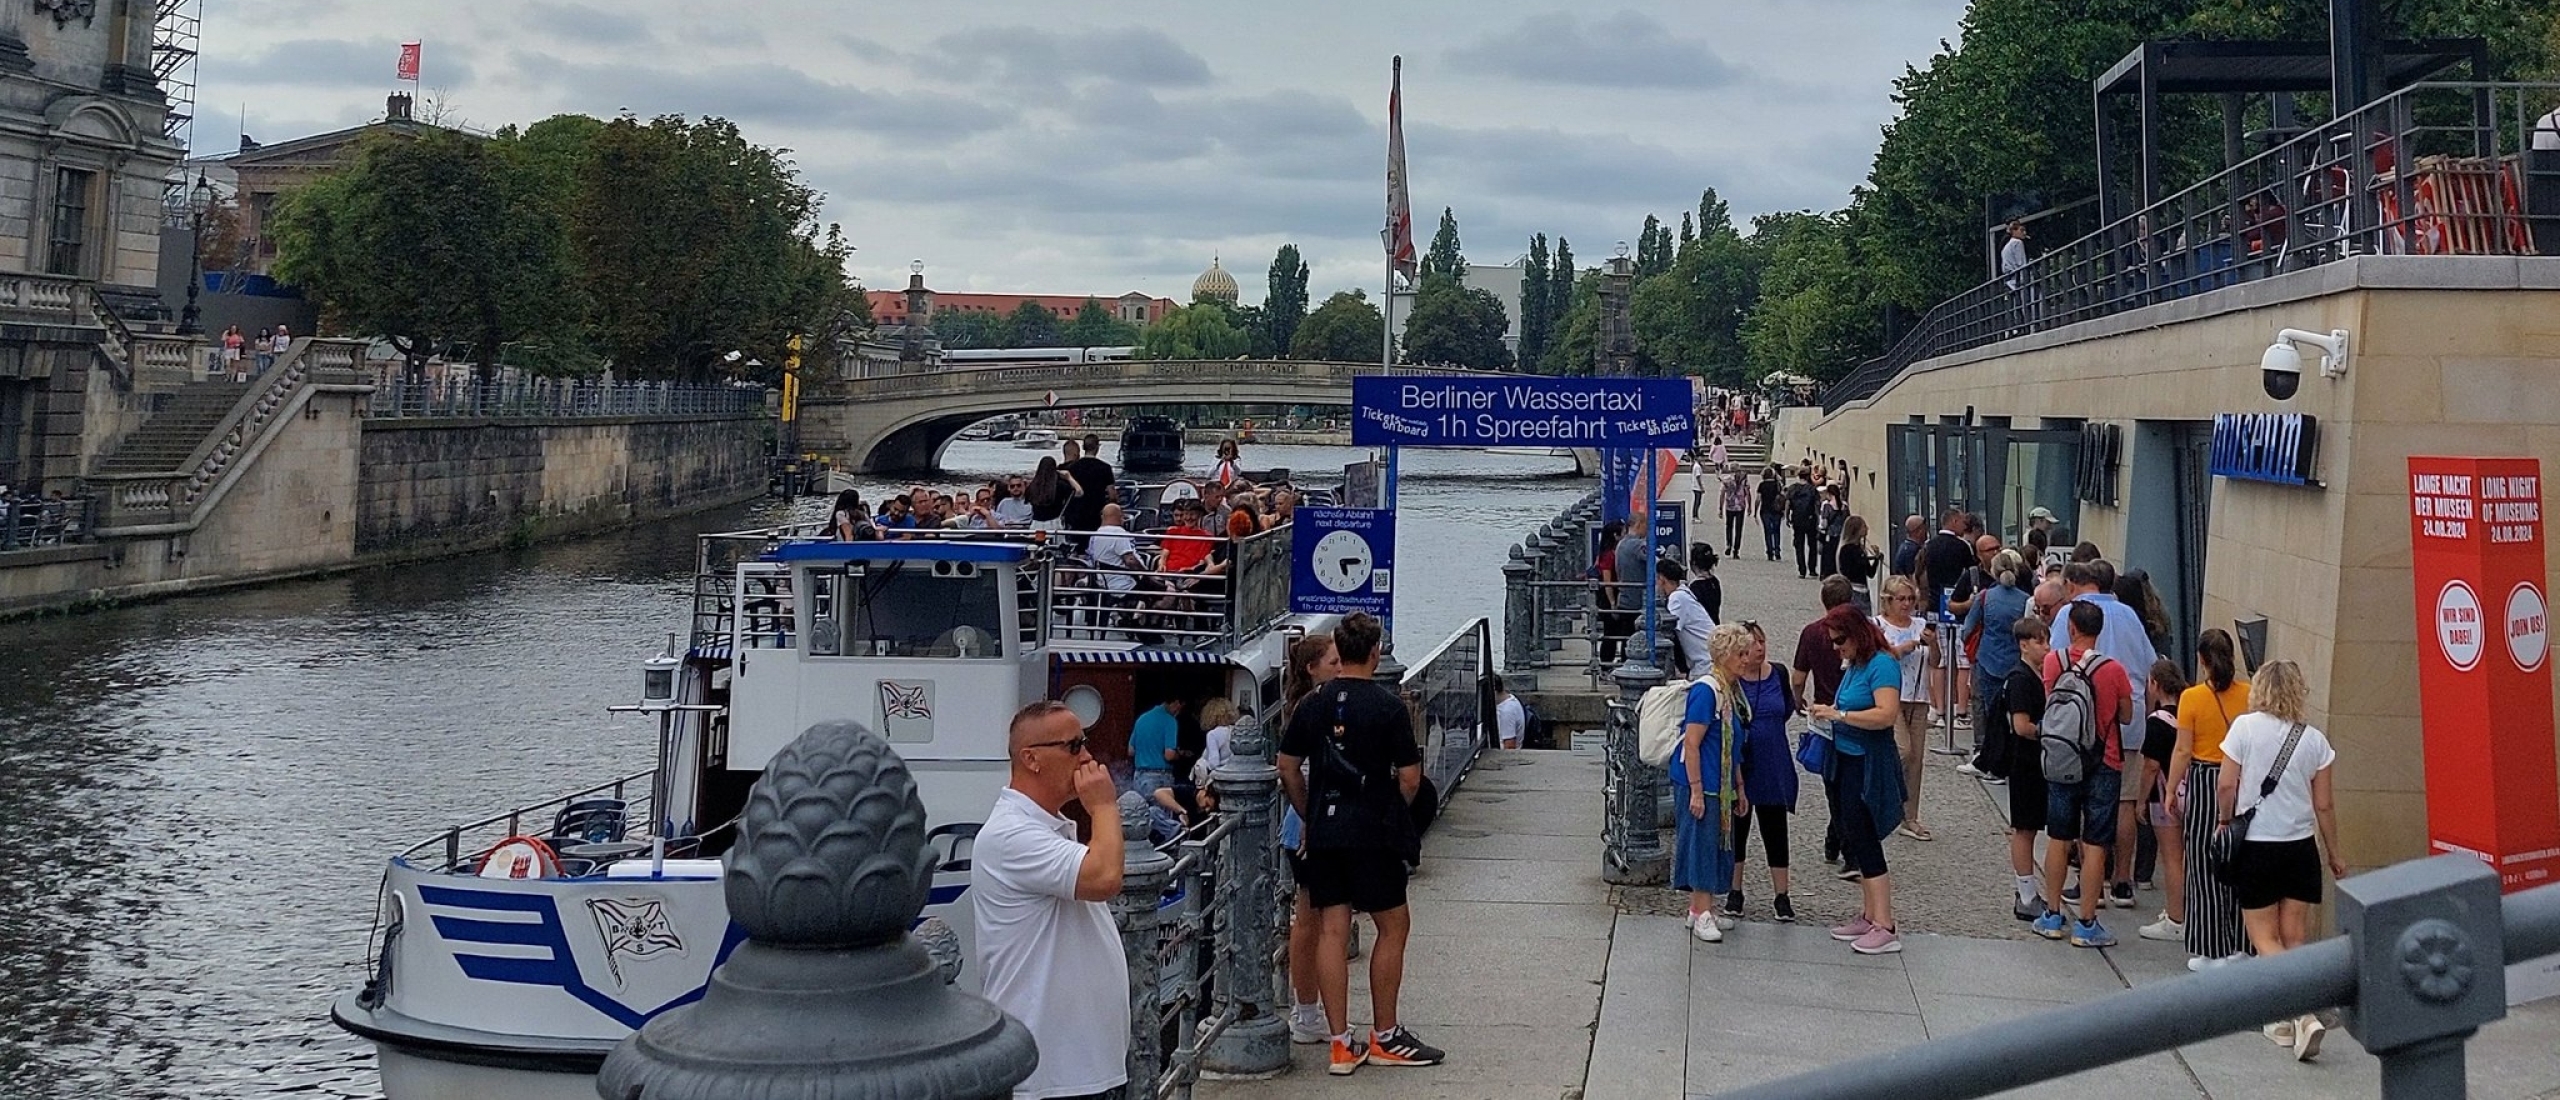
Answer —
(323, 489)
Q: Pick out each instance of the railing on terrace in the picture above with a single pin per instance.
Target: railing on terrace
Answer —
(32, 524)
(2439, 169)
(553, 398)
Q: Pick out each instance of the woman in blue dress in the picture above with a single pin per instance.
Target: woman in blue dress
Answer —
(1706, 783)
(1768, 769)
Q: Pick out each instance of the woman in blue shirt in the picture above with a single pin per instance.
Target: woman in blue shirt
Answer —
(1865, 771)
(1768, 770)
(1706, 783)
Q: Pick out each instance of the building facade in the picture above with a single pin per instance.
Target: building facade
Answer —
(890, 307)
(1500, 280)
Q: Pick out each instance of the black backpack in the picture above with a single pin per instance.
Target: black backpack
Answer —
(1802, 503)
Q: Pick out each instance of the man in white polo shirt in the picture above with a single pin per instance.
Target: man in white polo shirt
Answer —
(1048, 952)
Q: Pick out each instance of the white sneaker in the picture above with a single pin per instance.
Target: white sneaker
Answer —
(2306, 1038)
(2200, 964)
(2166, 928)
(1967, 768)
(2280, 1033)
(1707, 928)
(1306, 1025)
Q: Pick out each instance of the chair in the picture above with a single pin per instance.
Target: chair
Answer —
(952, 845)
(591, 821)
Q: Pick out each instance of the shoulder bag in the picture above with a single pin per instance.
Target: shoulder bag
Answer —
(2223, 850)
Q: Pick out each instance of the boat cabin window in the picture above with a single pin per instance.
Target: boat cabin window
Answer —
(951, 609)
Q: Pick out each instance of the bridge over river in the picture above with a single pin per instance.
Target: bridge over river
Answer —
(902, 421)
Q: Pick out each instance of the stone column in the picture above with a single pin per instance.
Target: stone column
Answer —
(826, 959)
(1252, 924)
(1538, 631)
(1637, 857)
(1519, 616)
(1143, 873)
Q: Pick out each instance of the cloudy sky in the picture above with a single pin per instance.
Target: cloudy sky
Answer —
(1096, 148)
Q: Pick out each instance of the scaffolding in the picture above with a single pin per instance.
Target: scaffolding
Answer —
(175, 32)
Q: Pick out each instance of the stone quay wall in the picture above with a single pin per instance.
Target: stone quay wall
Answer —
(447, 486)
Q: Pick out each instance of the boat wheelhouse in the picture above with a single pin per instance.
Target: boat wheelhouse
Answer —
(1151, 444)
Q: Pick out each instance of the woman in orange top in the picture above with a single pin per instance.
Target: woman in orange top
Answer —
(2205, 711)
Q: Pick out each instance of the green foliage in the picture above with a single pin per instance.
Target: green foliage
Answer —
(1444, 258)
(1537, 318)
(1201, 330)
(1810, 318)
(1577, 335)
(1653, 249)
(964, 331)
(1345, 329)
(1689, 319)
(1095, 327)
(1031, 325)
(1453, 323)
(1284, 306)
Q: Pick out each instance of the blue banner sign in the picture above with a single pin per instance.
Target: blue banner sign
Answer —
(1522, 412)
(2282, 448)
(1670, 530)
(1620, 469)
(1341, 561)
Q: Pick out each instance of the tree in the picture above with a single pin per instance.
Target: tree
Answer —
(439, 243)
(1688, 232)
(1031, 325)
(1095, 327)
(1653, 249)
(1561, 298)
(1345, 329)
(1453, 323)
(1576, 340)
(1689, 319)
(1807, 319)
(1284, 307)
(1444, 257)
(961, 330)
(1200, 330)
(1536, 319)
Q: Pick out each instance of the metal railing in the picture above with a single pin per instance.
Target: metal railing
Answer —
(1032, 381)
(1452, 703)
(2440, 169)
(2420, 967)
(460, 845)
(1551, 559)
(33, 524)
(559, 398)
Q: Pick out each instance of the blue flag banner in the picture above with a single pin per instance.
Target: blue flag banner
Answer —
(1392, 411)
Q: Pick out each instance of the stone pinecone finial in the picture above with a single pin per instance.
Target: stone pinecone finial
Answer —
(831, 850)
(1249, 741)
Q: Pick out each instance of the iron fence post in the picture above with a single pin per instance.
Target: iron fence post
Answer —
(1637, 858)
(1137, 912)
(1252, 928)
(2431, 967)
(1519, 613)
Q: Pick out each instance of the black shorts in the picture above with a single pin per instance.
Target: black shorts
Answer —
(2026, 786)
(2269, 871)
(1366, 879)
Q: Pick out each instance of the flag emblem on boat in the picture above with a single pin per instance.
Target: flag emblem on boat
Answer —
(906, 710)
(637, 927)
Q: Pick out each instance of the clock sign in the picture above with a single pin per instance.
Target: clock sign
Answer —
(1342, 560)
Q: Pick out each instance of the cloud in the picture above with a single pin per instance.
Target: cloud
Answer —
(332, 63)
(1035, 57)
(1626, 50)
(771, 94)
(583, 24)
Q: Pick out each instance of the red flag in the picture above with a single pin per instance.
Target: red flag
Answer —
(1399, 231)
(409, 52)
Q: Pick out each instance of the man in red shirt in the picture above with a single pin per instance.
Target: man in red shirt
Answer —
(2085, 811)
(1186, 543)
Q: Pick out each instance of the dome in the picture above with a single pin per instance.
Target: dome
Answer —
(1214, 283)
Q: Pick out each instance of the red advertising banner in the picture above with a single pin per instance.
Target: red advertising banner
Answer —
(2484, 670)
(409, 52)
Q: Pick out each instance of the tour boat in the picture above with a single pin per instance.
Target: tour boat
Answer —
(1031, 439)
(511, 954)
(1151, 444)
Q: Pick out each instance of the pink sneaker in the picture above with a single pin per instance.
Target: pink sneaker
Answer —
(1857, 928)
(1877, 941)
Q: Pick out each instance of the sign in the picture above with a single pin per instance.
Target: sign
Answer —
(1341, 561)
(2484, 671)
(1514, 412)
(2281, 448)
(1671, 531)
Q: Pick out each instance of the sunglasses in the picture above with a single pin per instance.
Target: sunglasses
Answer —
(1839, 639)
(1074, 745)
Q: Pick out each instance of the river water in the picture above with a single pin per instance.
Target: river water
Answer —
(196, 796)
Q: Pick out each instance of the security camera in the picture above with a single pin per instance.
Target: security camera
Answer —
(2280, 367)
(2280, 371)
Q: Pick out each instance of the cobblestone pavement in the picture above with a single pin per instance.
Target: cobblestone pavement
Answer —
(1957, 884)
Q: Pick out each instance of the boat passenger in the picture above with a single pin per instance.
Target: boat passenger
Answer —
(852, 522)
(1048, 495)
(1011, 509)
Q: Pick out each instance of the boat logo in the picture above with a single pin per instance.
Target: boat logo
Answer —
(637, 927)
(906, 710)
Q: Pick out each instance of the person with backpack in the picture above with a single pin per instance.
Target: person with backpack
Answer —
(1706, 781)
(1864, 772)
(2276, 799)
(1804, 521)
(2088, 699)
(1772, 507)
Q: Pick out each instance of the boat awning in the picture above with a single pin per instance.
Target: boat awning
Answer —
(716, 651)
(1142, 655)
(904, 550)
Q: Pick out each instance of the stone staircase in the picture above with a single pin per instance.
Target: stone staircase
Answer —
(172, 434)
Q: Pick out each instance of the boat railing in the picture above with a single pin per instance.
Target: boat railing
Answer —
(1149, 603)
(461, 845)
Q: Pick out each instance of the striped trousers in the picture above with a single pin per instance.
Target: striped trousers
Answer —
(2212, 917)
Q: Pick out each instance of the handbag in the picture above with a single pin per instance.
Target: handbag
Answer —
(1814, 752)
(2222, 851)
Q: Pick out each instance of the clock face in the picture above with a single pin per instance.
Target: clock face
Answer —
(1343, 561)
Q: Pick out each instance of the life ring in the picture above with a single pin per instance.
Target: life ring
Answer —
(521, 857)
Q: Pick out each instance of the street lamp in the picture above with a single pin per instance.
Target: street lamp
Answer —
(199, 203)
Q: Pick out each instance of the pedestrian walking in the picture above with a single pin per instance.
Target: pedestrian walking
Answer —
(1804, 521)
(1350, 767)
(1772, 509)
(233, 343)
(1864, 774)
(1768, 772)
(1835, 519)
(1910, 640)
(1736, 498)
(2166, 685)
(2213, 931)
(2280, 778)
(1048, 954)
(1706, 783)
(1610, 593)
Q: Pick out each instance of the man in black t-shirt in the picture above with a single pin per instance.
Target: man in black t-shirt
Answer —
(1804, 520)
(1351, 767)
(1772, 510)
(2015, 714)
(1943, 559)
(1093, 484)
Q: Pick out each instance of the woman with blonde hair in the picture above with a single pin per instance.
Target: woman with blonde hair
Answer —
(2279, 777)
(1219, 714)
(1706, 782)
(1905, 636)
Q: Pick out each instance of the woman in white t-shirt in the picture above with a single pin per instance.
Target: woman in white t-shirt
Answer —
(2276, 875)
(1906, 636)
(1219, 715)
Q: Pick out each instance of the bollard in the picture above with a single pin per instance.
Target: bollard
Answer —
(1635, 856)
(834, 808)
(1138, 913)
(1541, 639)
(2431, 967)
(1519, 613)
(1254, 924)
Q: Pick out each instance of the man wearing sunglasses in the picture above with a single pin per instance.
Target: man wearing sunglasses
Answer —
(1048, 951)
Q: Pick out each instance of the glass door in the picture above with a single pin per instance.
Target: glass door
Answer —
(2034, 468)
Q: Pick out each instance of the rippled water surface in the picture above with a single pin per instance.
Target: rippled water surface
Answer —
(196, 796)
